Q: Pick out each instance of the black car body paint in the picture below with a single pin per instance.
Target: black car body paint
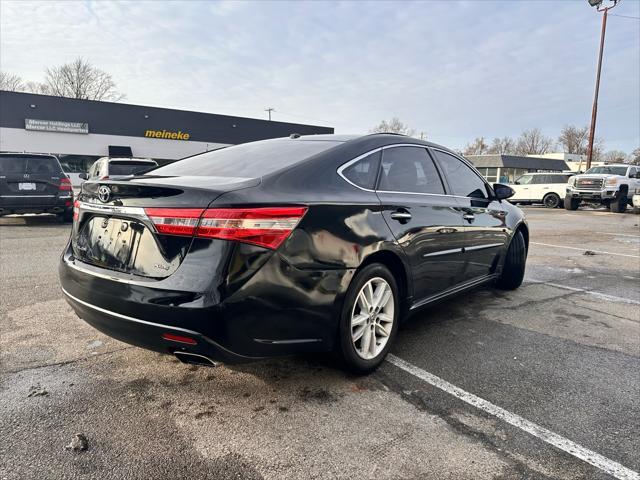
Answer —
(241, 301)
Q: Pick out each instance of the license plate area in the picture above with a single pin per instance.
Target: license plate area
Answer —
(127, 245)
(26, 186)
(109, 241)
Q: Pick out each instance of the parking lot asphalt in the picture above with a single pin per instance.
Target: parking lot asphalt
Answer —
(562, 353)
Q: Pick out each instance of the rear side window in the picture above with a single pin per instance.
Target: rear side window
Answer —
(409, 169)
(248, 160)
(363, 172)
(463, 180)
(20, 165)
(128, 168)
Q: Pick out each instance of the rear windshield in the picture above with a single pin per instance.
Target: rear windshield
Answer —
(20, 165)
(129, 168)
(248, 160)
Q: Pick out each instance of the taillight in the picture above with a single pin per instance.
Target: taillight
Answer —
(267, 227)
(65, 184)
(175, 221)
(76, 210)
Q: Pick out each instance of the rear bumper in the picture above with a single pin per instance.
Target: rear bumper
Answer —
(149, 335)
(26, 204)
(276, 310)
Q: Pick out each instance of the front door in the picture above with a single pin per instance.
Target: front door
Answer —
(485, 224)
(426, 223)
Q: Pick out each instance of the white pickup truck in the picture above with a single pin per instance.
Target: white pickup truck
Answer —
(546, 188)
(610, 185)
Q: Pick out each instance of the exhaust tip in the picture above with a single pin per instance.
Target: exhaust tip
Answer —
(195, 359)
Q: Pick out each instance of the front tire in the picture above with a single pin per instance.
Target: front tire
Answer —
(619, 205)
(369, 319)
(571, 203)
(514, 265)
(551, 200)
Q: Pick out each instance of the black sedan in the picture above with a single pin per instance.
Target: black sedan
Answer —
(283, 246)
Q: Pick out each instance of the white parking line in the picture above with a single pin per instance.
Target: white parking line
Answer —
(619, 234)
(584, 249)
(603, 463)
(589, 292)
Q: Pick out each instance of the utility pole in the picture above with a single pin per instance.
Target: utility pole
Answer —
(269, 110)
(594, 111)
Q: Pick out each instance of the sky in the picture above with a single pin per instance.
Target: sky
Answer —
(453, 70)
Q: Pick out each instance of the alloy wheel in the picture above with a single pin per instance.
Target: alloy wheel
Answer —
(372, 318)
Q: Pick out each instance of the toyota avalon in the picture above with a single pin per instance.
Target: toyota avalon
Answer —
(290, 245)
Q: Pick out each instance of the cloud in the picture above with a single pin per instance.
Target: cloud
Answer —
(455, 70)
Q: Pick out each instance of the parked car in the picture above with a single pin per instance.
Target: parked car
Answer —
(546, 188)
(610, 185)
(635, 201)
(288, 245)
(34, 183)
(107, 167)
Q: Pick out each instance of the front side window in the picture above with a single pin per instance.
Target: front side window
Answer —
(363, 172)
(463, 180)
(409, 169)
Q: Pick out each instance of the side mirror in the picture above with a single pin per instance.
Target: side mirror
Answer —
(84, 176)
(503, 191)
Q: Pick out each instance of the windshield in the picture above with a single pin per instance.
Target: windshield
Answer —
(129, 168)
(21, 165)
(248, 160)
(524, 180)
(608, 170)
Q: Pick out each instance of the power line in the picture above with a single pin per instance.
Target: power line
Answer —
(624, 16)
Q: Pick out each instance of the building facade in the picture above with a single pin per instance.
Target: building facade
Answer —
(507, 168)
(81, 131)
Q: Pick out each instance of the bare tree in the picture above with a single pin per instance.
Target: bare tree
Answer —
(80, 79)
(574, 140)
(614, 156)
(477, 147)
(501, 146)
(533, 142)
(11, 82)
(393, 126)
(634, 157)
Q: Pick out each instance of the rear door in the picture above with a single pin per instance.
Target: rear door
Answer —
(425, 221)
(29, 179)
(485, 225)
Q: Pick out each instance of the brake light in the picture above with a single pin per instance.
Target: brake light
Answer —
(267, 227)
(65, 184)
(76, 210)
(175, 221)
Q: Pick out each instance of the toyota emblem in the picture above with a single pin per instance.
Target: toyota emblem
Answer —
(104, 193)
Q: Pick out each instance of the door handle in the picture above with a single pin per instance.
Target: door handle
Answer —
(399, 215)
(470, 217)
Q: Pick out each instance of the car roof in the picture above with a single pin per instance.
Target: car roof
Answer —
(26, 154)
(129, 159)
(379, 139)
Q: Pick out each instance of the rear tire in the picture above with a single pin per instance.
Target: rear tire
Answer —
(366, 334)
(619, 205)
(551, 200)
(514, 265)
(571, 203)
(66, 216)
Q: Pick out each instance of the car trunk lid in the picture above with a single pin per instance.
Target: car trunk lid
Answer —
(123, 226)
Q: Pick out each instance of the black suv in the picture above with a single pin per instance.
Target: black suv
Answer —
(34, 183)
